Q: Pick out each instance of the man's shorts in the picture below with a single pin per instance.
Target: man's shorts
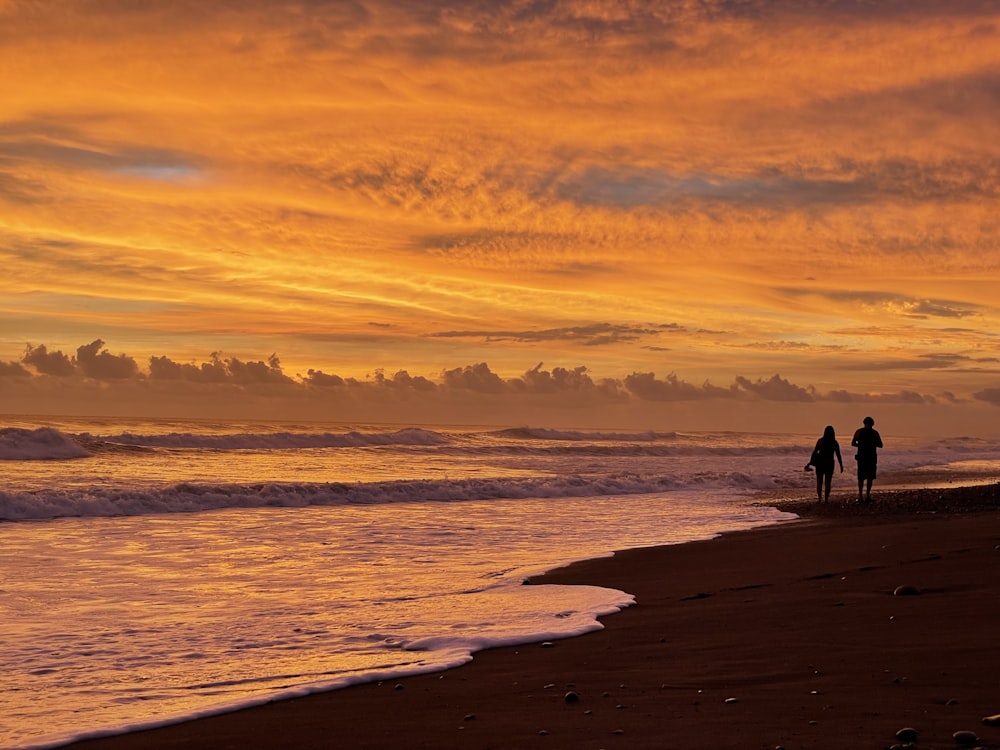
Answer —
(867, 469)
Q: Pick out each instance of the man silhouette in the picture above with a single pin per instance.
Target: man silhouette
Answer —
(867, 440)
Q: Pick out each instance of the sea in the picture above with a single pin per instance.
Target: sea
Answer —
(153, 571)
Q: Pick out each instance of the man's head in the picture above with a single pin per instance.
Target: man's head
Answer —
(869, 422)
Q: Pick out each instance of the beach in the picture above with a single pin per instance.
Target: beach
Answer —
(837, 630)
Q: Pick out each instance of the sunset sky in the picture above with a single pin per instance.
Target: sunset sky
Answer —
(726, 213)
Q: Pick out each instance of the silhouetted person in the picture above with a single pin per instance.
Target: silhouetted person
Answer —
(823, 454)
(867, 440)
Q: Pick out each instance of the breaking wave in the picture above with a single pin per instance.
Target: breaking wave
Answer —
(541, 433)
(43, 443)
(275, 440)
(188, 498)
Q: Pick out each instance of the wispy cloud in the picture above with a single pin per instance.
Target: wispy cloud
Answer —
(594, 334)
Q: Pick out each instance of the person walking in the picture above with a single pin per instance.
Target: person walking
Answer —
(867, 440)
(823, 454)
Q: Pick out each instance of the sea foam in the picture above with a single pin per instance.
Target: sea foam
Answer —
(43, 443)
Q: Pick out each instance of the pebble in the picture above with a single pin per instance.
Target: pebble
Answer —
(992, 721)
(470, 717)
(965, 737)
(906, 590)
(731, 700)
(548, 644)
(571, 697)
(397, 687)
(907, 734)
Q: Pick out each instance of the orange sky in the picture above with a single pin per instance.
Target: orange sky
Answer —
(650, 195)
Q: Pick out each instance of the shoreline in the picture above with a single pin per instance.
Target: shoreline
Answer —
(786, 635)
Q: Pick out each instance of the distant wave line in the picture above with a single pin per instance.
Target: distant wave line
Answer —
(189, 497)
(544, 433)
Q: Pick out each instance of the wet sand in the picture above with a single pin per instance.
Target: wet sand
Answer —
(792, 636)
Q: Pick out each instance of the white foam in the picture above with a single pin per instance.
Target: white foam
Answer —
(541, 433)
(273, 440)
(94, 501)
(41, 444)
(436, 653)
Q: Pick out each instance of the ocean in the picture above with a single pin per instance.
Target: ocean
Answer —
(156, 570)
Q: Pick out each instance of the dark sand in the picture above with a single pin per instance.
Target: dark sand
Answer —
(785, 636)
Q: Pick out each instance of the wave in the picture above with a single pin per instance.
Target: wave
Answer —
(41, 444)
(188, 497)
(966, 444)
(542, 433)
(271, 440)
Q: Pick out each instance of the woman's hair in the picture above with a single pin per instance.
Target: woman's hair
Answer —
(829, 433)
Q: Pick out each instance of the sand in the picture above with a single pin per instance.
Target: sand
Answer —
(781, 637)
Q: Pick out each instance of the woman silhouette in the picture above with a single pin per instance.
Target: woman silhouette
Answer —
(822, 458)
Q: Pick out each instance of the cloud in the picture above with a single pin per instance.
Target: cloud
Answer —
(901, 397)
(470, 245)
(221, 369)
(321, 379)
(890, 303)
(92, 361)
(937, 361)
(15, 189)
(596, 334)
(646, 386)
(48, 363)
(783, 186)
(477, 377)
(253, 373)
(403, 380)
(96, 362)
(631, 187)
(776, 388)
(164, 368)
(989, 395)
(561, 380)
(234, 386)
(13, 370)
(123, 158)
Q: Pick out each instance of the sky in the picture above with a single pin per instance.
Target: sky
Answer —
(725, 214)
